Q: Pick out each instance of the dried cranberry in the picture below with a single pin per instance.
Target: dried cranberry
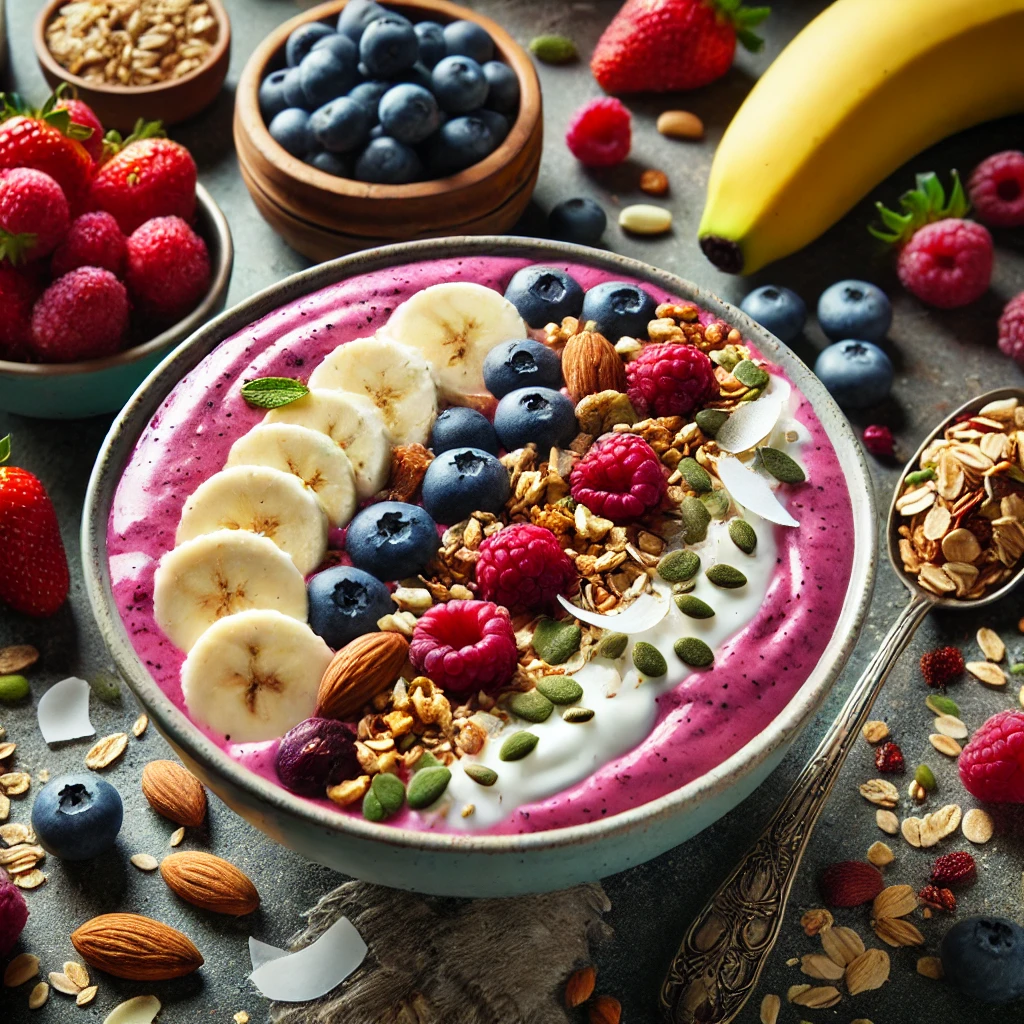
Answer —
(315, 754)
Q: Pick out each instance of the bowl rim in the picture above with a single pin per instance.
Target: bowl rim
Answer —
(219, 282)
(247, 110)
(128, 425)
(55, 68)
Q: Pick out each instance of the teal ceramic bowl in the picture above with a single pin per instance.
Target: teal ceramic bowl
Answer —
(71, 391)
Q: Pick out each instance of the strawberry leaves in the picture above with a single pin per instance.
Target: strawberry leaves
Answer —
(744, 20)
(114, 142)
(13, 104)
(922, 205)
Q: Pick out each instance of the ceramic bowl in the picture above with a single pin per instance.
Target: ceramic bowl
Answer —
(324, 216)
(69, 391)
(120, 106)
(467, 864)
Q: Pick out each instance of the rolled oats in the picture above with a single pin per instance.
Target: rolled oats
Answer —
(991, 644)
(986, 672)
(842, 945)
(880, 792)
(875, 732)
(945, 745)
(887, 822)
(977, 826)
(880, 854)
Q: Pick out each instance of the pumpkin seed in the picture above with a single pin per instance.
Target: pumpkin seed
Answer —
(556, 642)
(725, 576)
(426, 760)
(694, 607)
(560, 689)
(942, 705)
(710, 420)
(481, 774)
(388, 792)
(612, 645)
(925, 777)
(919, 477)
(693, 652)
(780, 465)
(554, 49)
(577, 714)
(649, 661)
(517, 746)
(532, 706)
(717, 503)
(695, 475)
(684, 588)
(748, 372)
(12, 688)
(678, 566)
(373, 809)
(742, 535)
(426, 786)
(106, 687)
(695, 519)
(752, 395)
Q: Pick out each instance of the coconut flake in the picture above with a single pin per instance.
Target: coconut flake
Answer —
(63, 712)
(312, 972)
(749, 423)
(646, 611)
(753, 492)
(261, 953)
(139, 1010)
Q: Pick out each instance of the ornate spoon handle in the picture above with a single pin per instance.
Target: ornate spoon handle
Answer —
(725, 949)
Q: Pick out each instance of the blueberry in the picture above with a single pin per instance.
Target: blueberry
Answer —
(459, 427)
(577, 220)
(387, 161)
(778, 310)
(854, 309)
(544, 295)
(468, 39)
(541, 415)
(462, 481)
(341, 125)
(503, 87)
(497, 123)
(419, 74)
(521, 364)
(341, 46)
(272, 97)
(432, 44)
(409, 113)
(392, 540)
(345, 603)
(77, 817)
(301, 41)
(459, 84)
(856, 373)
(388, 46)
(315, 754)
(460, 143)
(377, 132)
(290, 130)
(368, 95)
(292, 89)
(983, 957)
(332, 163)
(324, 78)
(356, 15)
(620, 309)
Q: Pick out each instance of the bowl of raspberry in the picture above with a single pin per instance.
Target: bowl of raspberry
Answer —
(111, 254)
(358, 124)
(503, 564)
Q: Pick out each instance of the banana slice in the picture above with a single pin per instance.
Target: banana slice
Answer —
(453, 326)
(260, 500)
(307, 454)
(351, 421)
(395, 378)
(221, 573)
(253, 675)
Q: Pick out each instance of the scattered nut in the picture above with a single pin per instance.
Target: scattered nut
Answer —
(680, 124)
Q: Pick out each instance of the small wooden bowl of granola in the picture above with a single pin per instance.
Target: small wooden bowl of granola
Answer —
(165, 61)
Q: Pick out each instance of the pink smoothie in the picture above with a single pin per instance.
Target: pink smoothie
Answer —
(703, 720)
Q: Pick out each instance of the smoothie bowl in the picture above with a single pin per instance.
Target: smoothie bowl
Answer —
(480, 566)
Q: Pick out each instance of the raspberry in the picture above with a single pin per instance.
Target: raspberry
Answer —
(465, 645)
(992, 764)
(948, 263)
(879, 441)
(889, 757)
(13, 914)
(82, 315)
(938, 899)
(523, 568)
(34, 214)
(670, 380)
(951, 868)
(168, 268)
(620, 478)
(996, 189)
(93, 240)
(1011, 329)
(942, 666)
(599, 134)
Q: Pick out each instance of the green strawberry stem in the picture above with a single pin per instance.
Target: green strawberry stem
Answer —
(5, 449)
(922, 205)
(743, 19)
(113, 142)
(16, 247)
(12, 104)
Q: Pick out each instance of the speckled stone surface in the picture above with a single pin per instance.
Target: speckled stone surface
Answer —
(941, 359)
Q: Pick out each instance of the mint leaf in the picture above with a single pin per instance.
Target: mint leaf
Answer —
(273, 392)
(5, 449)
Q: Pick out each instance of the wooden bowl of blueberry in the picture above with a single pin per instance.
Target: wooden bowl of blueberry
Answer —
(359, 124)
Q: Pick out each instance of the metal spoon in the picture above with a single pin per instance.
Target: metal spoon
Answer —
(727, 946)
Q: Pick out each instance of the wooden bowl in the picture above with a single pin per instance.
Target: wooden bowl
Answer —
(323, 216)
(120, 106)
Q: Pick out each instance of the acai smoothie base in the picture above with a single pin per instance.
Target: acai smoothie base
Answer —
(648, 735)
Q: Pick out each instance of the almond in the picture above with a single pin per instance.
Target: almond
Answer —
(173, 791)
(605, 1010)
(580, 987)
(210, 883)
(360, 670)
(590, 364)
(135, 947)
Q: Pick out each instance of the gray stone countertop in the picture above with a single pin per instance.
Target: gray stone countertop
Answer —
(942, 358)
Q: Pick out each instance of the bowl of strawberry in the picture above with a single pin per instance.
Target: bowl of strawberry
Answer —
(111, 254)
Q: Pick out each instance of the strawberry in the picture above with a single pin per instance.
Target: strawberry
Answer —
(82, 315)
(82, 114)
(663, 45)
(146, 176)
(34, 569)
(168, 268)
(18, 294)
(849, 883)
(34, 214)
(48, 141)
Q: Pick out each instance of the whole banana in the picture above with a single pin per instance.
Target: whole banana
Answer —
(861, 90)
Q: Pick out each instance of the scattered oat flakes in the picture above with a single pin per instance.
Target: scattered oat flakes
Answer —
(106, 751)
(930, 967)
(991, 644)
(945, 744)
(950, 725)
(6, 750)
(887, 821)
(820, 967)
(895, 901)
(793, 961)
(5, 806)
(841, 944)
(987, 673)
(140, 726)
(77, 973)
(818, 998)
(86, 996)
(14, 833)
(241, 1017)
(145, 861)
(177, 836)
(897, 931)
(29, 879)
(15, 783)
(869, 971)
(815, 921)
(42, 776)
(880, 792)
(880, 854)
(875, 732)
(770, 1006)
(24, 967)
(977, 826)
(38, 996)
(60, 982)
